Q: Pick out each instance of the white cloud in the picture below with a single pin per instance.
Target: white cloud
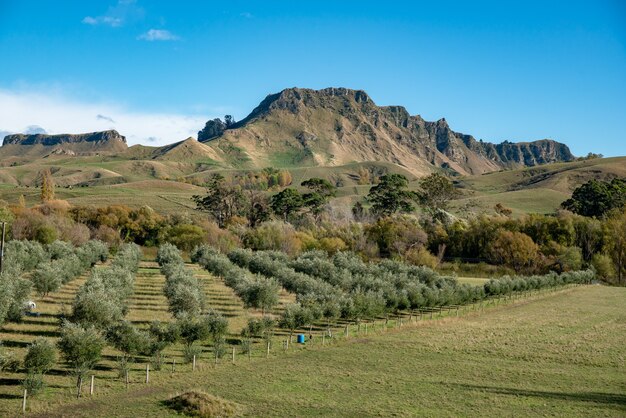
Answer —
(158, 35)
(116, 15)
(23, 110)
(114, 22)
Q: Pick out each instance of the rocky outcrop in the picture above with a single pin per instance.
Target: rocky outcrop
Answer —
(104, 137)
(338, 125)
(40, 145)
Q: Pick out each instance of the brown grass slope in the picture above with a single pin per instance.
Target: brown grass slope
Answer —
(338, 126)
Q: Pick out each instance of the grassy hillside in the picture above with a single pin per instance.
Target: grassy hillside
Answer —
(558, 355)
(158, 177)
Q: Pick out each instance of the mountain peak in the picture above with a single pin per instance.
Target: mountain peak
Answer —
(337, 125)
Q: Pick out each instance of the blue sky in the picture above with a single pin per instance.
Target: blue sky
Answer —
(157, 70)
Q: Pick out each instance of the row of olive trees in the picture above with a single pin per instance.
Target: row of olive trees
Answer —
(67, 263)
(51, 266)
(103, 300)
(255, 291)
(368, 290)
(182, 289)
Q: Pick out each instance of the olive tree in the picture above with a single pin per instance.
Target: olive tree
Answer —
(81, 349)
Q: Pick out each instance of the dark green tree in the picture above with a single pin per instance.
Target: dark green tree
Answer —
(321, 191)
(286, 202)
(222, 201)
(435, 193)
(391, 195)
(597, 198)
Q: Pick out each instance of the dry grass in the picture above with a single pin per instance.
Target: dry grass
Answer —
(203, 405)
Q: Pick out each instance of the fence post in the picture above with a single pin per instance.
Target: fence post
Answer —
(268, 349)
(147, 373)
(346, 331)
(126, 378)
(233, 355)
(24, 401)
(323, 338)
(91, 386)
(193, 366)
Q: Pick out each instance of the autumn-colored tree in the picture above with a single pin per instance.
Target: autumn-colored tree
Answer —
(47, 186)
(284, 178)
(514, 249)
(615, 236)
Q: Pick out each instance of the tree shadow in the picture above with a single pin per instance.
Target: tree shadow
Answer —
(617, 400)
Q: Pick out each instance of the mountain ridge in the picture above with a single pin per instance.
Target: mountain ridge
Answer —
(346, 119)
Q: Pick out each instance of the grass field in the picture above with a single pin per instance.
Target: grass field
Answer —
(559, 354)
(538, 189)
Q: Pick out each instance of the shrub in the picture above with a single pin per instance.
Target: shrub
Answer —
(40, 357)
(203, 405)
(81, 348)
(603, 265)
(421, 257)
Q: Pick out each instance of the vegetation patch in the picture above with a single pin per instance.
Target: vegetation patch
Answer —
(201, 404)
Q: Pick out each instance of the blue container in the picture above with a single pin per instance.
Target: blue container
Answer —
(300, 338)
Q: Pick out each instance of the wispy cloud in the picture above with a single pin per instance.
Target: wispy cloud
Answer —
(106, 118)
(114, 22)
(158, 35)
(247, 15)
(25, 111)
(116, 15)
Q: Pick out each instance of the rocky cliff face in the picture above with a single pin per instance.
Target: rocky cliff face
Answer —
(337, 126)
(105, 137)
(40, 145)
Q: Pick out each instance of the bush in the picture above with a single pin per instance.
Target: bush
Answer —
(203, 405)
(421, 257)
(33, 383)
(40, 358)
(603, 265)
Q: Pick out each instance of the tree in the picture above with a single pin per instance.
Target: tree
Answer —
(130, 341)
(514, 249)
(38, 361)
(321, 191)
(597, 198)
(436, 191)
(391, 195)
(615, 236)
(286, 202)
(81, 348)
(46, 279)
(186, 236)
(259, 210)
(261, 294)
(294, 316)
(47, 187)
(40, 357)
(221, 201)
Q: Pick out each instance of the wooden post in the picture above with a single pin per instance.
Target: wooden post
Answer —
(147, 373)
(323, 338)
(233, 355)
(268, 349)
(173, 365)
(25, 391)
(457, 310)
(91, 386)
(366, 328)
(127, 379)
(346, 331)
(193, 365)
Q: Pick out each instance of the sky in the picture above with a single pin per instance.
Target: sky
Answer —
(158, 70)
